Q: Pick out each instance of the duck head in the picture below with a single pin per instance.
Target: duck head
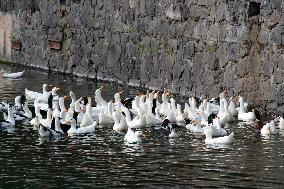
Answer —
(54, 90)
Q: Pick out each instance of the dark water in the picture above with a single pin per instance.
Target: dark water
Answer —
(104, 160)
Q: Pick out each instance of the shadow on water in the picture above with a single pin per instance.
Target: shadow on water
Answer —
(104, 160)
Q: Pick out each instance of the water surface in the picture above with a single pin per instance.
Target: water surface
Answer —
(104, 160)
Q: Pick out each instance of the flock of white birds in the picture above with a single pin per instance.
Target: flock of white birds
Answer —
(47, 112)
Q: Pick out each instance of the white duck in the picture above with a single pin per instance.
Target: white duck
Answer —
(27, 113)
(265, 131)
(204, 119)
(198, 128)
(219, 140)
(78, 109)
(173, 133)
(171, 116)
(133, 136)
(12, 75)
(73, 130)
(232, 107)
(18, 104)
(31, 95)
(152, 119)
(181, 116)
(99, 99)
(281, 123)
(164, 105)
(46, 122)
(119, 122)
(87, 117)
(35, 123)
(243, 116)
(105, 117)
(138, 122)
(217, 130)
(10, 121)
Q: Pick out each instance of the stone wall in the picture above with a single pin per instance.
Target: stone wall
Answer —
(188, 46)
(5, 36)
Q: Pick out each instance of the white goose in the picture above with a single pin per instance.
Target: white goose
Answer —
(281, 123)
(243, 116)
(78, 109)
(18, 104)
(181, 116)
(232, 107)
(265, 131)
(138, 122)
(73, 130)
(99, 99)
(152, 119)
(119, 122)
(10, 121)
(27, 113)
(219, 140)
(87, 117)
(46, 122)
(133, 136)
(73, 99)
(105, 117)
(164, 105)
(173, 133)
(12, 75)
(31, 95)
(217, 130)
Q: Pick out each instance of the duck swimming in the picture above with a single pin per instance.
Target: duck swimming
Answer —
(12, 75)
(219, 140)
(74, 130)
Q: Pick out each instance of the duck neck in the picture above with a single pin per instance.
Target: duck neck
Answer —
(115, 118)
(77, 106)
(127, 114)
(27, 111)
(44, 89)
(73, 125)
(61, 104)
(11, 118)
(110, 109)
(242, 107)
(179, 109)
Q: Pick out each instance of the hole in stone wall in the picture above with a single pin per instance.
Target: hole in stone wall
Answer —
(253, 9)
(62, 2)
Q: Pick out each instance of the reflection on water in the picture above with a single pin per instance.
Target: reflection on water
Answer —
(104, 160)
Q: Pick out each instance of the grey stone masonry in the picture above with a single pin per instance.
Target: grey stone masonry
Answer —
(190, 47)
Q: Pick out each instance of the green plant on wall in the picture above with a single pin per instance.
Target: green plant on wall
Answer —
(169, 50)
(141, 47)
(128, 29)
(13, 38)
(77, 1)
(212, 47)
(164, 45)
(269, 50)
(152, 50)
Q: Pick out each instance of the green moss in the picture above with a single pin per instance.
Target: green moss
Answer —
(128, 29)
(212, 47)
(169, 51)
(141, 47)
